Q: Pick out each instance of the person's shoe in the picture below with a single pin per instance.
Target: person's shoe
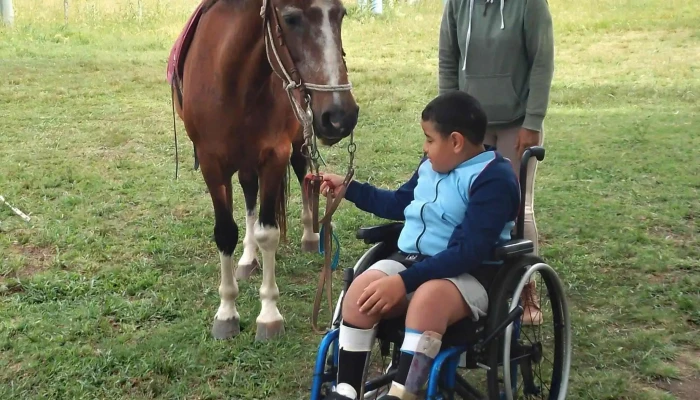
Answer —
(532, 315)
(343, 391)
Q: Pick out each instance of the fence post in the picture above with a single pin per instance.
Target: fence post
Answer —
(7, 12)
(65, 11)
(376, 6)
(140, 10)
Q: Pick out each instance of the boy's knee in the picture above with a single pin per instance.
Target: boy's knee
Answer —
(364, 279)
(358, 285)
(434, 305)
(433, 291)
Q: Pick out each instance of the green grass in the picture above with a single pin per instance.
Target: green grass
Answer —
(110, 290)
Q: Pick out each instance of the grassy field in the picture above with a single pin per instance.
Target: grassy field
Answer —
(110, 290)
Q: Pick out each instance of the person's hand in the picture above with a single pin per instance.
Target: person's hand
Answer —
(526, 138)
(382, 295)
(331, 182)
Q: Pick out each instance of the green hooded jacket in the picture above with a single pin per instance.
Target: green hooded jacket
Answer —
(502, 53)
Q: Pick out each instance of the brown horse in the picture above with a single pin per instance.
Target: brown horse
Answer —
(261, 80)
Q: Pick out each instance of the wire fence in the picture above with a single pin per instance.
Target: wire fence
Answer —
(95, 11)
(87, 11)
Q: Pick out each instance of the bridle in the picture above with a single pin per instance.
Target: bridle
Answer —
(299, 95)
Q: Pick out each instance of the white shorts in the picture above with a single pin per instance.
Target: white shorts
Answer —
(472, 291)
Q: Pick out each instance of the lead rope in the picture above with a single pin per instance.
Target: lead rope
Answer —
(324, 278)
(332, 202)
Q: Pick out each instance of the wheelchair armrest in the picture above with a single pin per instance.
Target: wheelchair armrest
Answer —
(380, 233)
(513, 249)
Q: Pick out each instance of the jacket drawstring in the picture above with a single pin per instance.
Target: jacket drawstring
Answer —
(469, 28)
(469, 33)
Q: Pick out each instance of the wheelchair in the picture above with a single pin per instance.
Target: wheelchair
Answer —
(510, 353)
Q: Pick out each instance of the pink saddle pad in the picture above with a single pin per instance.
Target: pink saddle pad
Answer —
(176, 61)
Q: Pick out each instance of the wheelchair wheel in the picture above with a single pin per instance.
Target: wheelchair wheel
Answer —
(530, 361)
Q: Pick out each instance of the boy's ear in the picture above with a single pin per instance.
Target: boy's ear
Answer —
(457, 141)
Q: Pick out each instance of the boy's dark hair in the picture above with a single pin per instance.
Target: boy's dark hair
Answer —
(456, 111)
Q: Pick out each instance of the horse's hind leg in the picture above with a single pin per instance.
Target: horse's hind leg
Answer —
(309, 239)
(227, 320)
(267, 234)
(249, 261)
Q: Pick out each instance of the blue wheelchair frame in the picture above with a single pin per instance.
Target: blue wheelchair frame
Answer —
(448, 358)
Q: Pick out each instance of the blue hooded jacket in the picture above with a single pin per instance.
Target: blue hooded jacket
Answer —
(456, 218)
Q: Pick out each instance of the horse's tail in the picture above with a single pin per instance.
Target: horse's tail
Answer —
(281, 206)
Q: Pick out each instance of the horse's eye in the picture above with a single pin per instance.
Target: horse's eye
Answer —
(292, 20)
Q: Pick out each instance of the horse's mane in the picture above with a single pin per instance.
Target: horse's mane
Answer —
(207, 4)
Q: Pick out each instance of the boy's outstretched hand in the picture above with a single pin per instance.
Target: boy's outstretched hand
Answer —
(331, 182)
(382, 295)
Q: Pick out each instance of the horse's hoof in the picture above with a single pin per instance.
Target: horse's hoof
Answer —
(225, 328)
(244, 271)
(309, 245)
(269, 330)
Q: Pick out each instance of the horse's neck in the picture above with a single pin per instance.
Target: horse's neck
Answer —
(242, 58)
(243, 63)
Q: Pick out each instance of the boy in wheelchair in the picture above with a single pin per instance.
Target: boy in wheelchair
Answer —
(460, 204)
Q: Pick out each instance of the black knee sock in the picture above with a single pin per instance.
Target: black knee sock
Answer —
(351, 365)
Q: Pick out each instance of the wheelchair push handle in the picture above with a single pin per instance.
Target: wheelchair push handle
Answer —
(537, 152)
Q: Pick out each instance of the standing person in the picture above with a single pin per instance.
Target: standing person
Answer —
(502, 53)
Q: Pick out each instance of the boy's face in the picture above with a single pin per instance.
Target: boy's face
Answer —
(444, 153)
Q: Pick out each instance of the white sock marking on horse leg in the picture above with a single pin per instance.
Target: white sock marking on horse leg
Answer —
(228, 290)
(250, 247)
(268, 239)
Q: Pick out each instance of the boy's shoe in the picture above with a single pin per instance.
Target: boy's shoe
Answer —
(532, 315)
(343, 392)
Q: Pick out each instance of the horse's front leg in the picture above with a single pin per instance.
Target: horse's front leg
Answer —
(267, 234)
(309, 239)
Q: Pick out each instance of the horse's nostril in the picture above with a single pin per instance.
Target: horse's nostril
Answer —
(337, 120)
(333, 118)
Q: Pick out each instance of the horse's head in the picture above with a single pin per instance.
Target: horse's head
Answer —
(312, 33)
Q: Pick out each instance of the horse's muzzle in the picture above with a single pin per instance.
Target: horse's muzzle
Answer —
(337, 123)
